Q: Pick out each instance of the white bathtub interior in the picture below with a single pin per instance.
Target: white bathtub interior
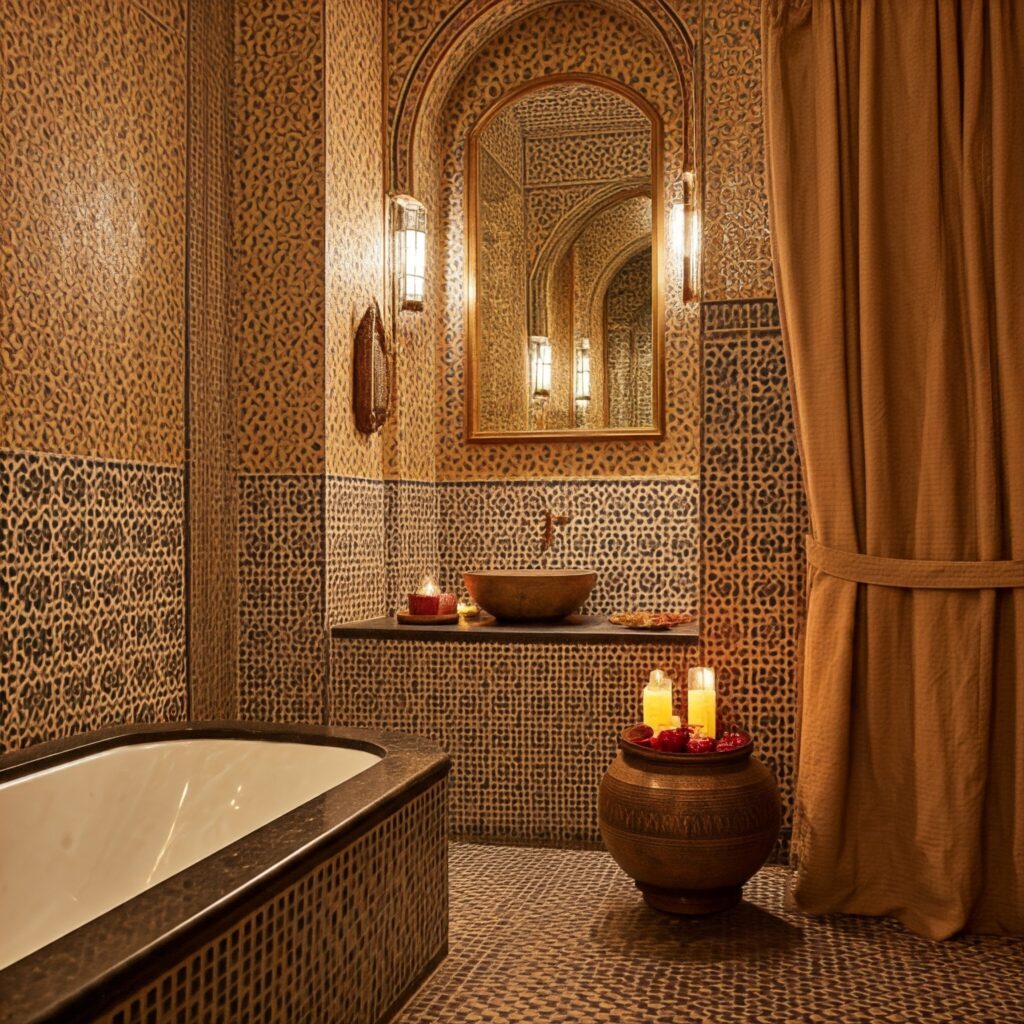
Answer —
(83, 837)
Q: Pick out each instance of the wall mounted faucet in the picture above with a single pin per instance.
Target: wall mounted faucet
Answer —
(551, 520)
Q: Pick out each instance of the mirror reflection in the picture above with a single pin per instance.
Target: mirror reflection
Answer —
(563, 323)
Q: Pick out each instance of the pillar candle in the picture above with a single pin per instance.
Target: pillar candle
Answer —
(700, 700)
(658, 701)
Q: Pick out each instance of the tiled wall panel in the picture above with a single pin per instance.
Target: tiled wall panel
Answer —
(212, 447)
(281, 663)
(736, 254)
(344, 943)
(356, 549)
(354, 212)
(413, 528)
(530, 727)
(92, 596)
(93, 180)
(639, 535)
(278, 178)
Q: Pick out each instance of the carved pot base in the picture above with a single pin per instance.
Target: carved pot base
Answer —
(694, 902)
(689, 829)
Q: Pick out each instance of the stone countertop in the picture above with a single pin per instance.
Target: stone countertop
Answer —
(583, 629)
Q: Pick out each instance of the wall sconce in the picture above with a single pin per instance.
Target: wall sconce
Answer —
(540, 366)
(410, 234)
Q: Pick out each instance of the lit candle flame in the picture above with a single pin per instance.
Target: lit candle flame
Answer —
(428, 587)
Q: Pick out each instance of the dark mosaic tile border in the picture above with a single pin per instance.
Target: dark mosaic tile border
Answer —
(640, 535)
(281, 585)
(92, 589)
(357, 548)
(730, 316)
(413, 528)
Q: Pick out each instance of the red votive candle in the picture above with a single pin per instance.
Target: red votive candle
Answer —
(446, 604)
(424, 604)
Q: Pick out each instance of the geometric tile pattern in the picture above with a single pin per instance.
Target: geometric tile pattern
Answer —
(562, 935)
(281, 598)
(753, 523)
(411, 525)
(736, 251)
(356, 548)
(92, 311)
(530, 728)
(92, 596)
(639, 535)
(341, 944)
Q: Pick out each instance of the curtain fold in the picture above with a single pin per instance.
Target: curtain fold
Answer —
(895, 157)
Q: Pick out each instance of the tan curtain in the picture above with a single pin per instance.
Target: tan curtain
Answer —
(895, 136)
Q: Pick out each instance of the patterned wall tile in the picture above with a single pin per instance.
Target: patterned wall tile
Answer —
(94, 184)
(91, 580)
(736, 258)
(278, 175)
(343, 943)
(212, 448)
(354, 253)
(754, 519)
(640, 536)
(356, 549)
(530, 727)
(412, 529)
(429, 43)
(281, 598)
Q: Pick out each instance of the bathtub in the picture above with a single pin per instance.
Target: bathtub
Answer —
(220, 872)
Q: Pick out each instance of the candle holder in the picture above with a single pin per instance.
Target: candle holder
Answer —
(689, 829)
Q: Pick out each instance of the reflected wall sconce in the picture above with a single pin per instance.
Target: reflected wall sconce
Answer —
(540, 366)
(583, 371)
(691, 261)
(409, 218)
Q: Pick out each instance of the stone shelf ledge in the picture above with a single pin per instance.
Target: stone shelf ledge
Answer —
(581, 629)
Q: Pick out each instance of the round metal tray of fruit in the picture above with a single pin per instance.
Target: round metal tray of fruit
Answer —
(649, 620)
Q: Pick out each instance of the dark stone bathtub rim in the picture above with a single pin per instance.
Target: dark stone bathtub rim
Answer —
(84, 973)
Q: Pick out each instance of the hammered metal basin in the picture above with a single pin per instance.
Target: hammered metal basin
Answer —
(520, 595)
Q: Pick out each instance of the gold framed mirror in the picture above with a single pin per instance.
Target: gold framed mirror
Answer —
(565, 268)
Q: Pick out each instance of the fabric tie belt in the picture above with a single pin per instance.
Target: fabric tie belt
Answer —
(914, 573)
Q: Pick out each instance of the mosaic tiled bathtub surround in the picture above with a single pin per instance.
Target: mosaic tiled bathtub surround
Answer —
(639, 535)
(583, 948)
(345, 942)
(92, 588)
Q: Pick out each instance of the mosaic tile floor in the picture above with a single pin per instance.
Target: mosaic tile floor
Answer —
(553, 936)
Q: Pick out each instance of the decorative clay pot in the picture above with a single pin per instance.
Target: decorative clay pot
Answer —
(689, 828)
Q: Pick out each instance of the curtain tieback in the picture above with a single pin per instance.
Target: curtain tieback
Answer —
(914, 573)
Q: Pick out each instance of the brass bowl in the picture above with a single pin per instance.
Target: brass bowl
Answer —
(690, 829)
(520, 595)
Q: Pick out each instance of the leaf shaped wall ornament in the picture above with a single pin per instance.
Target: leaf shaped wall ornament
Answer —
(373, 372)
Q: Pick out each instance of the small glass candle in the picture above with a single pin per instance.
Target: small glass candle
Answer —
(427, 598)
(446, 604)
(658, 701)
(700, 699)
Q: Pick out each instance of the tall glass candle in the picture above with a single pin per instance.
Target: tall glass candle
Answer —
(700, 700)
(658, 701)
